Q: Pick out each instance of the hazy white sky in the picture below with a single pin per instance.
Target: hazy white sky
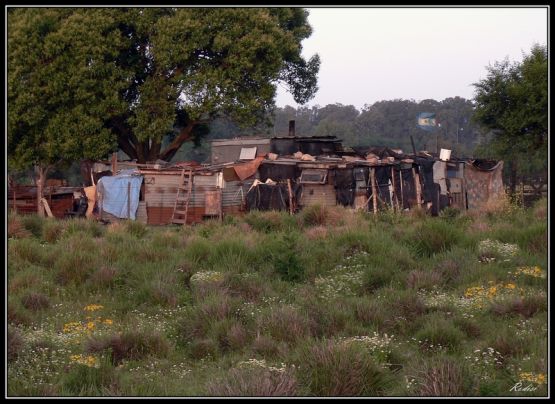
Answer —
(372, 54)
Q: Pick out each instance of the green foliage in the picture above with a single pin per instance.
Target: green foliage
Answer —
(512, 103)
(150, 75)
(438, 334)
(286, 259)
(435, 236)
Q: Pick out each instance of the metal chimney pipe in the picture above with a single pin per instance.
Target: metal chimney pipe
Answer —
(292, 128)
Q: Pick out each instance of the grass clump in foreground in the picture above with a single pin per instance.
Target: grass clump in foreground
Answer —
(326, 303)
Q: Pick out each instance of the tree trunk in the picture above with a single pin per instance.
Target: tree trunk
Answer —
(144, 151)
(41, 181)
(174, 146)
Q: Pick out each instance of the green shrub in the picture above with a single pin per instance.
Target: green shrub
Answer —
(83, 380)
(439, 334)
(434, 236)
(270, 221)
(33, 223)
(285, 259)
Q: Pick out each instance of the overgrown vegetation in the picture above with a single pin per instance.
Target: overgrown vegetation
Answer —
(331, 302)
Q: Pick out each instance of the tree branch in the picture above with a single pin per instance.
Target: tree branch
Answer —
(174, 146)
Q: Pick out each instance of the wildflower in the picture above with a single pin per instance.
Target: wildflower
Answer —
(88, 360)
(532, 377)
(93, 307)
(108, 321)
(535, 272)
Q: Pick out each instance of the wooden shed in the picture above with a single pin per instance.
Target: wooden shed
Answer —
(229, 150)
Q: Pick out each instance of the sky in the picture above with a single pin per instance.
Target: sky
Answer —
(372, 54)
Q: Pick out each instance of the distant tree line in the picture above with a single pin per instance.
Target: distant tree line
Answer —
(384, 123)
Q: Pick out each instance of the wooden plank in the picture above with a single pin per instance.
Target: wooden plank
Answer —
(46, 207)
(290, 192)
(374, 191)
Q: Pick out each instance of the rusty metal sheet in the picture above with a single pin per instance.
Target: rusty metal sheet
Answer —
(213, 202)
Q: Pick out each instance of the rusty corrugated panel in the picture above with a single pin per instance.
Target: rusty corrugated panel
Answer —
(159, 215)
(213, 202)
(318, 194)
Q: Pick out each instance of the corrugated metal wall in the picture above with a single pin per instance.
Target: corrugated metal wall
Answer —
(161, 191)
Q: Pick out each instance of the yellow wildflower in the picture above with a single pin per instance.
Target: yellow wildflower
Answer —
(88, 360)
(90, 325)
(108, 321)
(93, 307)
(510, 286)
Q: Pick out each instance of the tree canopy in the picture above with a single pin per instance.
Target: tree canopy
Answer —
(85, 81)
(512, 103)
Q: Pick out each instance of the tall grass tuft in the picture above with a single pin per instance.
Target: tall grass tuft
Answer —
(526, 306)
(52, 230)
(16, 227)
(14, 343)
(285, 323)
(439, 334)
(443, 377)
(33, 223)
(331, 369)
(130, 345)
(35, 301)
(434, 236)
(254, 383)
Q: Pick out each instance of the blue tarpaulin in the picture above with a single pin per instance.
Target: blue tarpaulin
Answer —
(114, 191)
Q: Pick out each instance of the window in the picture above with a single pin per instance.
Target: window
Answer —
(314, 176)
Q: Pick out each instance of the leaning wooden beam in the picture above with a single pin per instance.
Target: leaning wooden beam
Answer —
(374, 192)
(290, 196)
(46, 207)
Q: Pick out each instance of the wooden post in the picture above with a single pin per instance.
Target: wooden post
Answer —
(374, 192)
(394, 193)
(290, 196)
(128, 200)
(101, 205)
(417, 187)
(40, 190)
(401, 186)
(221, 204)
(114, 163)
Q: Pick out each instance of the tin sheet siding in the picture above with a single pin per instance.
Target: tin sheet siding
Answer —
(235, 192)
(161, 190)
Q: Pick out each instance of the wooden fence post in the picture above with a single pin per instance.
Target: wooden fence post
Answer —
(374, 194)
(290, 196)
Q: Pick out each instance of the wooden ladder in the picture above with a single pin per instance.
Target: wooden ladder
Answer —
(184, 189)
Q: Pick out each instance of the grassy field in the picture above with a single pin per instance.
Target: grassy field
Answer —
(329, 302)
